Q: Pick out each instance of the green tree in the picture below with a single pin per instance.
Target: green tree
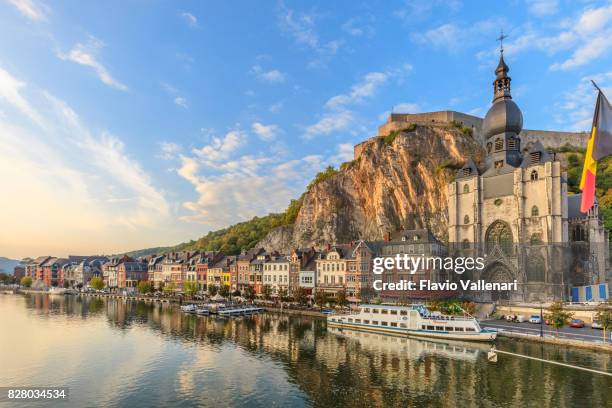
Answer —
(26, 281)
(282, 294)
(604, 317)
(557, 316)
(249, 293)
(341, 298)
(190, 288)
(169, 288)
(267, 292)
(320, 298)
(144, 287)
(212, 290)
(300, 296)
(97, 283)
(224, 290)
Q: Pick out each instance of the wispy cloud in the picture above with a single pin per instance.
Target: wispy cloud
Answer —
(270, 76)
(189, 18)
(578, 104)
(180, 101)
(301, 27)
(89, 182)
(86, 55)
(32, 9)
(340, 115)
(265, 132)
(542, 8)
(168, 150)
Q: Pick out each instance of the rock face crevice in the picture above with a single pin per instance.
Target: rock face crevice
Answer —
(398, 183)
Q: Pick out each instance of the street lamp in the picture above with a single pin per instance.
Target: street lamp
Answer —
(541, 321)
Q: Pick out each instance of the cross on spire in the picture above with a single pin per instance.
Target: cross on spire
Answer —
(501, 41)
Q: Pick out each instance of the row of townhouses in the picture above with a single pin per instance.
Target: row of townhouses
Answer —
(334, 268)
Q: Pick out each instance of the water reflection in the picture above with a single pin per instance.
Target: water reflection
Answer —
(118, 353)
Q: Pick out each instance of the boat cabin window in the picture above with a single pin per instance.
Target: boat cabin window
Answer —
(374, 322)
(430, 328)
(403, 312)
(366, 310)
(393, 312)
(384, 323)
(469, 329)
(333, 320)
(393, 324)
(458, 328)
(357, 320)
(424, 327)
(350, 320)
(374, 310)
(384, 311)
(366, 322)
(403, 325)
(440, 328)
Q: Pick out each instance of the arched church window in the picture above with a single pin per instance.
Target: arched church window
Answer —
(536, 239)
(466, 188)
(499, 144)
(466, 219)
(499, 235)
(534, 175)
(489, 147)
(535, 212)
(535, 267)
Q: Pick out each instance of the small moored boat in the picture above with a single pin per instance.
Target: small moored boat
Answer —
(191, 308)
(413, 320)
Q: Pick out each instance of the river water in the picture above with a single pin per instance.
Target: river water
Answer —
(117, 353)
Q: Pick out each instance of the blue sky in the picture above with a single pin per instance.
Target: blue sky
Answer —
(132, 124)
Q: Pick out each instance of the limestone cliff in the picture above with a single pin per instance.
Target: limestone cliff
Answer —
(398, 181)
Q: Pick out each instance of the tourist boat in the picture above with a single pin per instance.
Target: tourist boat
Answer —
(191, 308)
(413, 320)
(237, 310)
(202, 310)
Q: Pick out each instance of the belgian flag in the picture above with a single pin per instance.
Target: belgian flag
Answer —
(598, 147)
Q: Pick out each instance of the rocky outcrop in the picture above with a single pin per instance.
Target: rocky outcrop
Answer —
(397, 182)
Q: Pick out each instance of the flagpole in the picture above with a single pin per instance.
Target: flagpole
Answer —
(595, 85)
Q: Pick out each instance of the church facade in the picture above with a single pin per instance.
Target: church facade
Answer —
(516, 212)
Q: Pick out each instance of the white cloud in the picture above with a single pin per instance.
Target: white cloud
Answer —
(578, 104)
(404, 107)
(445, 36)
(542, 8)
(96, 196)
(85, 54)
(32, 9)
(265, 132)
(302, 28)
(364, 89)
(168, 150)
(330, 123)
(272, 76)
(189, 18)
(345, 152)
(221, 148)
(180, 101)
(586, 36)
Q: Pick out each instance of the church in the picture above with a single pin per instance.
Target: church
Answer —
(514, 209)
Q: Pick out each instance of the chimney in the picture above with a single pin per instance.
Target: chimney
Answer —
(387, 237)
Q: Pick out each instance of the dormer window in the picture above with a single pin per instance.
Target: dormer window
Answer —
(535, 212)
(499, 164)
(535, 157)
(467, 171)
(466, 219)
(466, 188)
(534, 175)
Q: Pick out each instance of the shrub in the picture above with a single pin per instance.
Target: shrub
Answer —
(26, 281)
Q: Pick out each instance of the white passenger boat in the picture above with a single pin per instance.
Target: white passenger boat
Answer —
(413, 320)
(189, 308)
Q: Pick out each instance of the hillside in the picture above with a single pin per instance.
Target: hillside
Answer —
(7, 265)
(399, 181)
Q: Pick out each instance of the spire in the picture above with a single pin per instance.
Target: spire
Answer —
(501, 85)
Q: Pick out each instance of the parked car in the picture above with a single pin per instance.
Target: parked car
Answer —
(596, 325)
(510, 318)
(520, 319)
(576, 323)
(327, 311)
(535, 319)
